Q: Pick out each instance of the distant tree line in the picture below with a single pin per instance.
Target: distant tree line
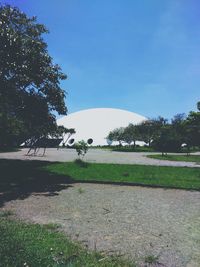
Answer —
(161, 134)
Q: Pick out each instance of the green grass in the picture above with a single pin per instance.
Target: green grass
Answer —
(190, 158)
(151, 259)
(170, 177)
(132, 149)
(34, 245)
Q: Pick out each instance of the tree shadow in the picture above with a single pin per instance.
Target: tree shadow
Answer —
(19, 179)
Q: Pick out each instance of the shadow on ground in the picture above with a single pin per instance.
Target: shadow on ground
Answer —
(19, 179)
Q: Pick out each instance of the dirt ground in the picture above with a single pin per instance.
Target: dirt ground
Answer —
(97, 155)
(130, 221)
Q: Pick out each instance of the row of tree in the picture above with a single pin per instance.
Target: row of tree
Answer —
(161, 134)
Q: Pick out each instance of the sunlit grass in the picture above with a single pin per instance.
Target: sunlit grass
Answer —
(170, 177)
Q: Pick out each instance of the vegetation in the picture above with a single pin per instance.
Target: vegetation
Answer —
(191, 158)
(132, 149)
(159, 176)
(151, 259)
(81, 148)
(30, 92)
(162, 135)
(19, 178)
(35, 245)
(65, 133)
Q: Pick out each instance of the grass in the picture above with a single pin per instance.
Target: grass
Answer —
(151, 259)
(34, 245)
(132, 149)
(190, 158)
(161, 176)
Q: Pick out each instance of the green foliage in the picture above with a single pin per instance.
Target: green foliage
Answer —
(63, 132)
(159, 176)
(133, 148)
(192, 129)
(6, 213)
(188, 158)
(162, 135)
(34, 245)
(81, 190)
(151, 259)
(131, 134)
(81, 148)
(29, 81)
(168, 140)
(116, 135)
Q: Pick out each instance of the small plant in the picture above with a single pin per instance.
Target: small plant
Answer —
(151, 259)
(81, 148)
(6, 213)
(81, 190)
(52, 226)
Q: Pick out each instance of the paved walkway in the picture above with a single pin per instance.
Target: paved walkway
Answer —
(98, 155)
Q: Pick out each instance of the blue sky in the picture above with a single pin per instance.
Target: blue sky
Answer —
(138, 55)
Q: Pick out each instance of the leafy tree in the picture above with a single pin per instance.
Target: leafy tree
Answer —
(192, 128)
(29, 80)
(131, 134)
(168, 140)
(149, 129)
(81, 148)
(62, 131)
(116, 135)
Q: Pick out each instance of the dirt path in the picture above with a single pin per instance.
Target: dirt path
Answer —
(98, 155)
(131, 221)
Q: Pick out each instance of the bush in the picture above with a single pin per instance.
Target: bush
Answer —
(81, 148)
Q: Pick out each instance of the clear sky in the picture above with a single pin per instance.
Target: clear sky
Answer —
(138, 55)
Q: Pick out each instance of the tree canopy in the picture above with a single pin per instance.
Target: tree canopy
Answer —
(161, 134)
(30, 91)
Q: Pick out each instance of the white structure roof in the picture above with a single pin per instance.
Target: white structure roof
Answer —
(98, 122)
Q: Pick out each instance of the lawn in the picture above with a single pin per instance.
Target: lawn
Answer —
(34, 245)
(190, 158)
(170, 177)
(132, 149)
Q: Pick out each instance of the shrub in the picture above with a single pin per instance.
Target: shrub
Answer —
(81, 148)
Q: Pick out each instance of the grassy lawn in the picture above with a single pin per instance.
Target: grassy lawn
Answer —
(34, 245)
(132, 149)
(190, 158)
(170, 177)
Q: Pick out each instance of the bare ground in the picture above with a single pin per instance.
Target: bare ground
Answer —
(131, 221)
(98, 155)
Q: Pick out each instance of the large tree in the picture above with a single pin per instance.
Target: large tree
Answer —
(150, 129)
(192, 128)
(131, 134)
(30, 91)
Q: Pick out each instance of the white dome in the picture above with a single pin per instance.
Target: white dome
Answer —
(96, 123)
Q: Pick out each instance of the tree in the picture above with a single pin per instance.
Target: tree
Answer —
(62, 131)
(149, 129)
(29, 80)
(131, 134)
(81, 148)
(192, 128)
(116, 135)
(168, 140)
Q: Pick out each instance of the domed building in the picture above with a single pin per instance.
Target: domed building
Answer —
(94, 125)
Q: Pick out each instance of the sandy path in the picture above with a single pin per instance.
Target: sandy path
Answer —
(131, 221)
(98, 155)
